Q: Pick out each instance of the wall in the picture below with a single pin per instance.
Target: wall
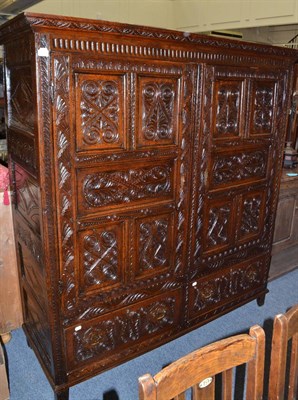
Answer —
(158, 13)
(208, 15)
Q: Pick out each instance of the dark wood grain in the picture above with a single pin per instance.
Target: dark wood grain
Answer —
(145, 166)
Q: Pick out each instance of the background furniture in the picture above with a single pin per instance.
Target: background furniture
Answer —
(10, 298)
(285, 242)
(145, 166)
(199, 369)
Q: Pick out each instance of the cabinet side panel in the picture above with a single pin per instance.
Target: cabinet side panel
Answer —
(22, 136)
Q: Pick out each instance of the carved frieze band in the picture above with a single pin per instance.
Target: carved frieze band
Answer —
(140, 51)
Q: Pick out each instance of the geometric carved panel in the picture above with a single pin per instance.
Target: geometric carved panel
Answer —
(101, 260)
(263, 101)
(126, 185)
(228, 95)
(218, 218)
(100, 112)
(27, 197)
(158, 110)
(251, 215)
(20, 100)
(154, 240)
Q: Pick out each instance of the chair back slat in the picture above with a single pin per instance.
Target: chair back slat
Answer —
(209, 361)
(227, 384)
(204, 390)
(285, 329)
(293, 378)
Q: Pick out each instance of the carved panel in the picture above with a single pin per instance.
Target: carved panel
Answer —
(100, 109)
(126, 185)
(227, 108)
(251, 215)
(36, 321)
(20, 100)
(125, 328)
(22, 149)
(239, 167)
(25, 50)
(32, 272)
(158, 110)
(209, 292)
(263, 103)
(219, 222)
(153, 244)
(27, 197)
(101, 260)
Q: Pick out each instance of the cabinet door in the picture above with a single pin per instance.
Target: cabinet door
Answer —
(122, 139)
(286, 231)
(237, 182)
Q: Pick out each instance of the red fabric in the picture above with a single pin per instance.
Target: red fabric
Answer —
(4, 183)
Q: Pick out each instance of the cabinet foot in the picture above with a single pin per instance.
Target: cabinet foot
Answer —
(64, 395)
(261, 300)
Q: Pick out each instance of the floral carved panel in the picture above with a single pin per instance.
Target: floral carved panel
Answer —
(154, 241)
(100, 109)
(229, 169)
(263, 103)
(227, 109)
(158, 110)
(101, 258)
(126, 185)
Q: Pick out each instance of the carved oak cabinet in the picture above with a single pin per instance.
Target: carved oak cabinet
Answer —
(145, 166)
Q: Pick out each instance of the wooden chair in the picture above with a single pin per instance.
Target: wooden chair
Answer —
(198, 369)
(285, 330)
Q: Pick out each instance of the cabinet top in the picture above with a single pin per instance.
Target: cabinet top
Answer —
(50, 23)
